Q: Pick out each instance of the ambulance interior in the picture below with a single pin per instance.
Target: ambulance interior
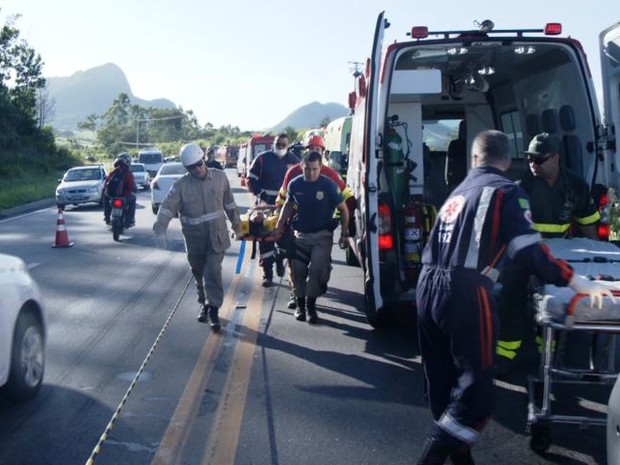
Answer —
(444, 94)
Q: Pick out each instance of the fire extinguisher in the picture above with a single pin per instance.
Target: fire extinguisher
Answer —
(395, 168)
(412, 231)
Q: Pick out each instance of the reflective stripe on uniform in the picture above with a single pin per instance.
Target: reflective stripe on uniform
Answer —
(508, 349)
(473, 251)
(271, 253)
(202, 219)
(456, 429)
(552, 228)
(269, 192)
(230, 206)
(520, 242)
(586, 220)
(165, 212)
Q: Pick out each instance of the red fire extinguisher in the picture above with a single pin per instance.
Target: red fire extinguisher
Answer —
(413, 231)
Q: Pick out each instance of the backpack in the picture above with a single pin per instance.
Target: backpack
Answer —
(114, 187)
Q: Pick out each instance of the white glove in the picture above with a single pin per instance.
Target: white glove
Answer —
(582, 285)
(160, 241)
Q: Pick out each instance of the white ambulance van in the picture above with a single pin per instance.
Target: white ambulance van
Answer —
(420, 102)
(337, 139)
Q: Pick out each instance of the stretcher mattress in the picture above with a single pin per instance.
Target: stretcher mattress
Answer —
(597, 260)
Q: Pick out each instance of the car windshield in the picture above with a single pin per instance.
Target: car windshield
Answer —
(83, 175)
(150, 158)
(137, 168)
(169, 169)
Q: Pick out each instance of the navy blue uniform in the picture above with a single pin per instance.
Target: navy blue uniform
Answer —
(486, 217)
(264, 180)
(316, 202)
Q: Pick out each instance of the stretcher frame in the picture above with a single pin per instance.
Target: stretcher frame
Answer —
(541, 415)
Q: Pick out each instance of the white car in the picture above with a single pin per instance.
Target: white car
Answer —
(22, 331)
(82, 184)
(160, 186)
(141, 176)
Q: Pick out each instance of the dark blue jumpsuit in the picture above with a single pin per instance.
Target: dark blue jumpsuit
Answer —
(265, 178)
(485, 217)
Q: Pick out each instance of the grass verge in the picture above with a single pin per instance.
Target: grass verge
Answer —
(15, 192)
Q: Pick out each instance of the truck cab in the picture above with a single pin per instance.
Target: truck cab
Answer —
(420, 102)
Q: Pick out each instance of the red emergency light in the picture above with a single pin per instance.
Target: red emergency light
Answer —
(553, 29)
(419, 32)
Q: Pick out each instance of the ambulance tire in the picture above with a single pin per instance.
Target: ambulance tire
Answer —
(351, 258)
(376, 319)
(541, 439)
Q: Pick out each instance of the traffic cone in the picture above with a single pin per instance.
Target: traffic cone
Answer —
(62, 237)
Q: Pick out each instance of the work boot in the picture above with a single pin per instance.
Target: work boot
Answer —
(203, 316)
(300, 313)
(292, 303)
(267, 277)
(280, 267)
(462, 457)
(311, 308)
(214, 320)
(435, 452)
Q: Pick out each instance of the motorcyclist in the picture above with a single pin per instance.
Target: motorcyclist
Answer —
(121, 183)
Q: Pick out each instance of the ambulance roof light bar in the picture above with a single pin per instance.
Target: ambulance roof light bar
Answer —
(485, 27)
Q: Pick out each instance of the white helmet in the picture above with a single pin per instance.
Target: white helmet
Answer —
(191, 154)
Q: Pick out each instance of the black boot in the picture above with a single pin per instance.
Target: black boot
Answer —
(311, 307)
(280, 267)
(292, 303)
(462, 457)
(300, 313)
(203, 316)
(214, 319)
(435, 452)
(267, 277)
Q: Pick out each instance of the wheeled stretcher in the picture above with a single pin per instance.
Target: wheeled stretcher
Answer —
(560, 311)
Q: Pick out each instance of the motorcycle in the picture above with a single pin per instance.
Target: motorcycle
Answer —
(118, 213)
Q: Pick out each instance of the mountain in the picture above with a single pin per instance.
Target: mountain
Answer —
(311, 115)
(91, 91)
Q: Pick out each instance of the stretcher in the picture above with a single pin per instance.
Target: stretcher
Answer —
(259, 223)
(558, 312)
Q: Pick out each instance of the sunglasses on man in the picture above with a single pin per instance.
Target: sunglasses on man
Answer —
(280, 145)
(195, 166)
(537, 160)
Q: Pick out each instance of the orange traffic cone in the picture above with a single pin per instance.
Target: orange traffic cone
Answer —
(62, 237)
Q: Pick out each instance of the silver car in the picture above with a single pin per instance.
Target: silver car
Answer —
(141, 176)
(82, 184)
(22, 330)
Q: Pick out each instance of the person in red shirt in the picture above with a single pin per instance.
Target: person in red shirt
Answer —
(125, 188)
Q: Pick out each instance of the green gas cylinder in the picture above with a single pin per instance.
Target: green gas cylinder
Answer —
(395, 168)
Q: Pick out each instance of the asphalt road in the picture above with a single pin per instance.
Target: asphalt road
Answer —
(267, 390)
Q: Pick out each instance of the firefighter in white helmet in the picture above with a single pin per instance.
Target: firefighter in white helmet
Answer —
(202, 199)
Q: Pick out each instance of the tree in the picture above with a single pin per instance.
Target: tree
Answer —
(45, 106)
(324, 122)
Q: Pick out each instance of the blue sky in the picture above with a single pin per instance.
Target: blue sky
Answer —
(251, 63)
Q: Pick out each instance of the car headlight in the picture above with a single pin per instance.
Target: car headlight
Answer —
(93, 189)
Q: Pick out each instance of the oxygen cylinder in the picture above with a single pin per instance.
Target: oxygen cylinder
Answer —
(395, 167)
(412, 234)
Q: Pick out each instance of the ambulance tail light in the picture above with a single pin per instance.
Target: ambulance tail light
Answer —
(386, 241)
(603, 226)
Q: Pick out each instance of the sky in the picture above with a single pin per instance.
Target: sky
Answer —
(250, 63)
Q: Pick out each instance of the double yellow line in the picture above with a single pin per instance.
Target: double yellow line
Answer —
(224, 435)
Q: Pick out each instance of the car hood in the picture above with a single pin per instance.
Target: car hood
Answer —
(11, 263)
(78, 184)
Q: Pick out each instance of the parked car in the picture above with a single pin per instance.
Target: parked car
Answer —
(141, 176)
(160, 186)
(81, 184)
(22, 331)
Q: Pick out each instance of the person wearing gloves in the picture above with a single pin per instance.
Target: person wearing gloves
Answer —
(486, 217)
(202, 199)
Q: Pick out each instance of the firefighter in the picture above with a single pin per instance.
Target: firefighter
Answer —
(485, 217)
(264, 179)
(560, 201)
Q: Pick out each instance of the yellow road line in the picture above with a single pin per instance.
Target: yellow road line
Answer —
(224, 437)
(174, 441)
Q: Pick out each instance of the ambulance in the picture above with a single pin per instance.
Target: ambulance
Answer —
(419, 103)
(337, 139)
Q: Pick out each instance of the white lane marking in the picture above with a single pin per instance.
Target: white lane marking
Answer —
(32, 265)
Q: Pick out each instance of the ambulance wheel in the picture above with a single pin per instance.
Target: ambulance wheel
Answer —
(376, 319)
(541, 439)
(351, 258)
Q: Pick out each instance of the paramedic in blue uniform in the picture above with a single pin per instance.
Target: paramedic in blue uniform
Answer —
(485, 217)
(264, 180)
(311, 200)
(561, 203)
